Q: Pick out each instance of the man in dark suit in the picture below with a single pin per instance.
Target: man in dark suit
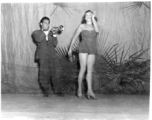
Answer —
(46, 54)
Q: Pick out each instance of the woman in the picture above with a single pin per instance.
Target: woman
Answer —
(87, 50)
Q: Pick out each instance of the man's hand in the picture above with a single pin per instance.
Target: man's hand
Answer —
(54, 35)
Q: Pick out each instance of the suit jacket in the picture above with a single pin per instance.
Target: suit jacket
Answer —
(45, 48)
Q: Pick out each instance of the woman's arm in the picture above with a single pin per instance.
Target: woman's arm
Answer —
(95, 23)
(75, 36)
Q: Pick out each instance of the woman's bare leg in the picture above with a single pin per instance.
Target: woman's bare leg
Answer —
(83, 63)
(90, 67)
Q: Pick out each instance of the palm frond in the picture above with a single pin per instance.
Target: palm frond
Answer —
(126, 72)
(65, 10)
(103, 36)
(109, 49)
(54, 10)
(76, 45)
(121, 57)
(133, 58)
(146, 5)
(126, 52)
(133, 5)
(62, 51)
(66, 7)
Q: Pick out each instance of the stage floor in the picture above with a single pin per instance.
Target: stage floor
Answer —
(69, 107)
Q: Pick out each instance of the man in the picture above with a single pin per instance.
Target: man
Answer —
(47, 41)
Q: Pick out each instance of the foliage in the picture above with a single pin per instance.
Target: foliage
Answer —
(129, 74)
(134, 5)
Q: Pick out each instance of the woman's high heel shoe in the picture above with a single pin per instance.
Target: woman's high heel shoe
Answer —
(79, 94)
(91, 95)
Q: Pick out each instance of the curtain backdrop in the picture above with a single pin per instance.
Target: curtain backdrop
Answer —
(124, 23)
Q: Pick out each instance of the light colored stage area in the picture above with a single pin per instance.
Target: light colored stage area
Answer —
(107, 107)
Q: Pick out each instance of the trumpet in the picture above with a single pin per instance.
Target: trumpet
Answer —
(57, 30)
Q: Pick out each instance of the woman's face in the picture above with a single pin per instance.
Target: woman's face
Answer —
(88, 16)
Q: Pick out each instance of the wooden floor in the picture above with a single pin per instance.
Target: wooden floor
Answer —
(69, 107)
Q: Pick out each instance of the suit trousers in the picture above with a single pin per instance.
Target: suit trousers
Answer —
(49, 72)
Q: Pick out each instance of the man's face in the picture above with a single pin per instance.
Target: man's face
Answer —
(45, 24)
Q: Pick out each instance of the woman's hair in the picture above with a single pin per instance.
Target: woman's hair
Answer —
(83, 19)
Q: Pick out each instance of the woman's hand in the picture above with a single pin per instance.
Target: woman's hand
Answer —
(93, 14)
(95, 22)
(70, 55)
(70, 52)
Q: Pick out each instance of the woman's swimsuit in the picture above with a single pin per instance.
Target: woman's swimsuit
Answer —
(88, 42)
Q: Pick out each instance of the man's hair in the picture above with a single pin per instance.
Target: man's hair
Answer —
(44, 18)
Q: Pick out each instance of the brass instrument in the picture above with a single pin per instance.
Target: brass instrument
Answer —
(57, 30)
